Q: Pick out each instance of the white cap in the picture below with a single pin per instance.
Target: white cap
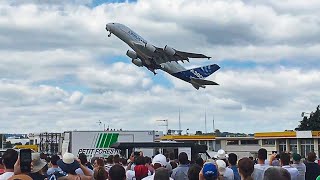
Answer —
(160, 159)
(221, 154)
(221, 166)
(68, 158)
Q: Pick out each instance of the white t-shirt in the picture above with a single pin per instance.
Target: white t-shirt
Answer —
(293, 172)
(6, 175)
(152, 177)
(228, 174)
(259, 170)
(130, 174)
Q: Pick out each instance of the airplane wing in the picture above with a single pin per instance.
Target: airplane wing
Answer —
(167, 54)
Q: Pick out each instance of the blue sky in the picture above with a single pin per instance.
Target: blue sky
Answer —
(60, 71)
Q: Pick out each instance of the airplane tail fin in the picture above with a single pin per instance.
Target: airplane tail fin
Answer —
(204, 71)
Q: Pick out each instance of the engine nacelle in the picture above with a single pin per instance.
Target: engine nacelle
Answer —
(132, 54)
(137, 62)
(170, 51)
(150, 48)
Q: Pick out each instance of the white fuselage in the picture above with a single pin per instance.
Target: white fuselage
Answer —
(137, 43)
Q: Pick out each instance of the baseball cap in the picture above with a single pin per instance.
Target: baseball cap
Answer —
(160, 159)
(209, 170)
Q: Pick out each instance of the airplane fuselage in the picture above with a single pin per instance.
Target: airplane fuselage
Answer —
(136, 42)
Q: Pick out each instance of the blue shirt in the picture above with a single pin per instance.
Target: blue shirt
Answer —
(235, 172)
(180, 172)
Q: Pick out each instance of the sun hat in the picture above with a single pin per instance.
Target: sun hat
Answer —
(160, 159)
(37, 163)
(68, 163)
(221, 154)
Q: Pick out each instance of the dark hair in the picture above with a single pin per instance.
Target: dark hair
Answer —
(199, 161)
(232, 159)
(277, 173)
(173, 164)
(117, 172)
(183, 158)
(9, 158)
(124, 161)
(139, 160)
(312, 156)
(116, 159)
(100, 162)
(100, 173)
(147, 160)
(284, 158)
(54, 159)
(161, 174)
(193, 172)
(246, 167)
(83, 158)
(110, 159)
(262, 154)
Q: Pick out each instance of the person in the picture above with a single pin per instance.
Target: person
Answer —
(54, 167)
(161, 174)
(193, 172)
(37, 167)
(109, 163)
(232, 160)
(117, 172)
(85, 163)
(227, 173)
(276, 173)
(69, 165)
(116, 159)
(9, 158)
(17, 172)
(209, 172)
(181, 172)
(312, 168)
(200, 161)
(260, 167)
(158, 161)
(299, 165)
(246, 168)
(148, 164)
(285, 163)
(100, 173)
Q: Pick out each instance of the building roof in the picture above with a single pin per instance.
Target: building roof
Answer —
(188, 137)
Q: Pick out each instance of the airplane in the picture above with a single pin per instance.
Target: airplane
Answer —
(166, 59)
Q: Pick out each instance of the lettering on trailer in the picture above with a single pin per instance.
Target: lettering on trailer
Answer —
(90, 152)
(196, 73)
(137, 37)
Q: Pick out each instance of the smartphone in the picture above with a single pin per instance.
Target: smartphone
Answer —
(25, 160)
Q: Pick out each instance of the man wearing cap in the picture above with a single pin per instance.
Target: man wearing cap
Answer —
(158, 161)
(299, 165)
(208, 172)
(37, 165)
(225, 171)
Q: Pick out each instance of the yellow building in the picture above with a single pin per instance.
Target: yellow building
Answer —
(301, 142)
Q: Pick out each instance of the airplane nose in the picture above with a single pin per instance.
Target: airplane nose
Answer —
(109, 26)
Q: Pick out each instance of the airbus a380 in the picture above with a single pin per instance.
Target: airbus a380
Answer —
(166, 59)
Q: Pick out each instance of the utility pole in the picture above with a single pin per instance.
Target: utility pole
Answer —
(213, 124)
(179, 123)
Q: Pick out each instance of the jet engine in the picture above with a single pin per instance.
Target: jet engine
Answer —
(132, 54)
(137, 62)
(150, 48)
(170, 51)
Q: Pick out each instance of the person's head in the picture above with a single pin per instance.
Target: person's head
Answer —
(296, 157)
(147, 160)
(277, 173)
(9, 158)
(312, 156)
(140, 160)
(232, 159)
(183, 158)
(117, 172)
(124, 161)
(100, 173)
(68, 163)
(37, 163)
(199, 161)
(116, 159)
(246, 167)
(284, 159)
(173, 164)
(193, 172)
(210, 171)
(83, 158)
(54, 159)
(221, 154)
(159, 161)
(161, 174)
(110, 159)
(98, 163)
(262, 154)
